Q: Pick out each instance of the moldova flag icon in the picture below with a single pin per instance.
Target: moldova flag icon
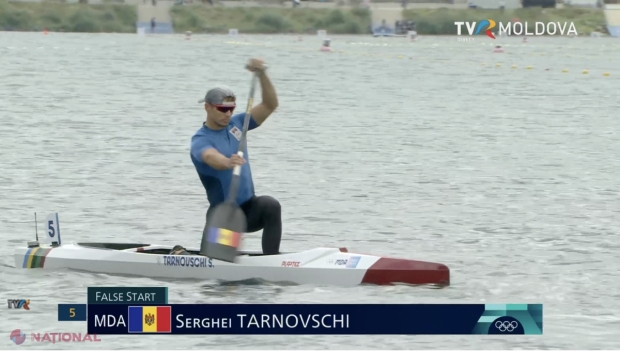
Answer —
(224, 237)
(150, 319)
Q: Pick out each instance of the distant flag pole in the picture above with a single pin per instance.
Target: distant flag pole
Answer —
(36, 231)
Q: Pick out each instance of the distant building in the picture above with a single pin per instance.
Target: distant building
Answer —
(612, 17)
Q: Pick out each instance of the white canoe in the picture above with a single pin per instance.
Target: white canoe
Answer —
(319, 266)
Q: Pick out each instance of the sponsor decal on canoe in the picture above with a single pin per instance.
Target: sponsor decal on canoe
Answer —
(186, 261)
(353, 261)
(35, 257)
(350, 262)
(290, 264)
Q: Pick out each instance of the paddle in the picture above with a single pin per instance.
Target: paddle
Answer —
(222, 235)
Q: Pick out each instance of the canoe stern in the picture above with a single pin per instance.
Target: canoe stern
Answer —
(394, 270)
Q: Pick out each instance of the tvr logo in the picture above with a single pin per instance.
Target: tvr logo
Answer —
(17, 304)
(474, 28)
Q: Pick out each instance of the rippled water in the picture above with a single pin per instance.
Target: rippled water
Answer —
(436, 150)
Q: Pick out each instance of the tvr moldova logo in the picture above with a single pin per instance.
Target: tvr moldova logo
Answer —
(479, 27)
(488, 24)
(515, 28)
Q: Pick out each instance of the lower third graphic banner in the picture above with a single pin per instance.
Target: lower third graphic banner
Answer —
(341, 319)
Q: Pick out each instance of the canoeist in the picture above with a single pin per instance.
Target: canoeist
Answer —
(214, 154)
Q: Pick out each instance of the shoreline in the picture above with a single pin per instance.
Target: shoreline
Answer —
(205, 19)
(310, 35)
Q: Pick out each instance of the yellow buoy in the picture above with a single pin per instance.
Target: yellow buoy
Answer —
(564, 70)
(498, 65)
(529, 67)
(606, 74)
(513, 66)
(585, 71)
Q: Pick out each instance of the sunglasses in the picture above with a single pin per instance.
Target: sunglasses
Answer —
(225, 108)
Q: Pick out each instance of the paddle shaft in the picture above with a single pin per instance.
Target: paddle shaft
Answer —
(234, 183)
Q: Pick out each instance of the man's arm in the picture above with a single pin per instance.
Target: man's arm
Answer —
(216, 160)
(269, 104)
(203, 149)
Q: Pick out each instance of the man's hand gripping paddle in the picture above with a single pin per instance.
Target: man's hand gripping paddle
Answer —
(227, 222)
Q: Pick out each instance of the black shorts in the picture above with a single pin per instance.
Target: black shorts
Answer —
(262, 212)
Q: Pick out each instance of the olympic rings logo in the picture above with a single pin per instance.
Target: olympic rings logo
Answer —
(506, 326)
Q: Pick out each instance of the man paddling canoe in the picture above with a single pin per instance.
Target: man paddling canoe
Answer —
(214, 155)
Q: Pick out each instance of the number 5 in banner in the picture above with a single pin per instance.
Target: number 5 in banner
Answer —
(71, 312)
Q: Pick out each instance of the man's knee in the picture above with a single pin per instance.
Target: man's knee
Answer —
(271, 205)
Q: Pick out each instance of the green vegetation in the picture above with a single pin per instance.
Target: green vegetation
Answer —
(61, 17)
(116, 18)
(441, 21)
(203, 19)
